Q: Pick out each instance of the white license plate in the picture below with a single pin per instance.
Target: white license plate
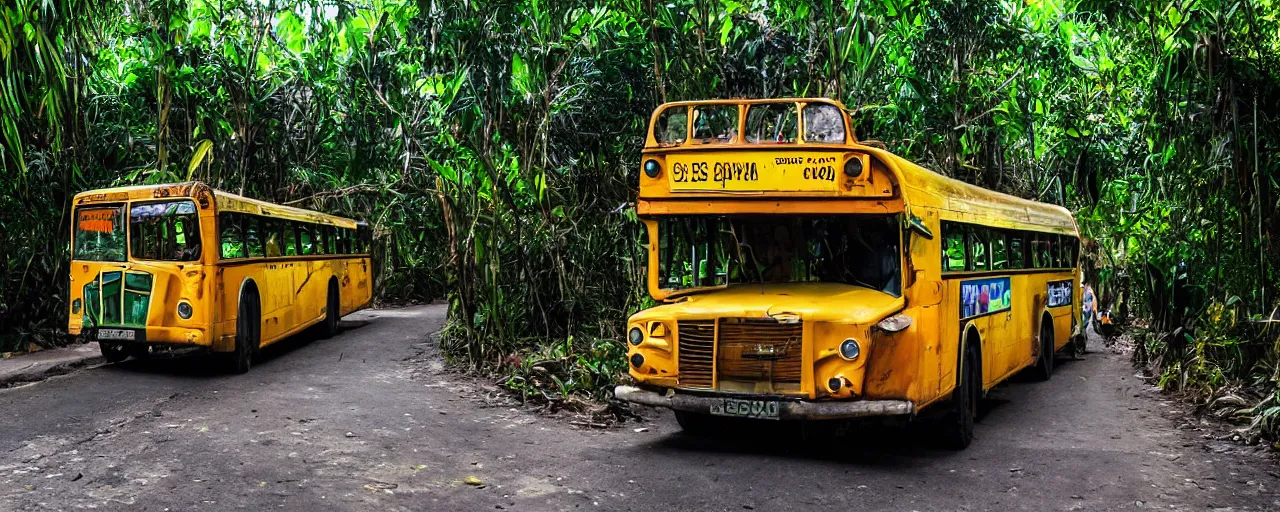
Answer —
(757, 409)
(116, 334)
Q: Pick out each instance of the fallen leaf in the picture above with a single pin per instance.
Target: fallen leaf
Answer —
(641, 429)
(471, 480)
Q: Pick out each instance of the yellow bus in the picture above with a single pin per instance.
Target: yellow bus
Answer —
(177, 268)
(804, 275)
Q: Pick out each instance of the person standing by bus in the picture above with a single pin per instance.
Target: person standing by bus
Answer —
(1088, 306)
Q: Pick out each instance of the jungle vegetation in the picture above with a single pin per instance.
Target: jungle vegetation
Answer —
(494, 146)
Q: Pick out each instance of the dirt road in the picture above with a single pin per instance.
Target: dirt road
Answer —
(359, 423)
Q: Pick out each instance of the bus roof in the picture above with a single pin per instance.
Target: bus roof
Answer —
(225, 201)
(965, 202)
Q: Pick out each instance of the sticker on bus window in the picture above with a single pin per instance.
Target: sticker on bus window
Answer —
(982, 296)
(99, 220)
(1060, 293)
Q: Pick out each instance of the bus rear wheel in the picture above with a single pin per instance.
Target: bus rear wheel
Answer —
(1044, 364)
(248, 328)
(113, 352)
(956, 427)
(330, 326)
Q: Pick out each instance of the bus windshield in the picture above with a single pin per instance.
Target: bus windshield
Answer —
(165, 231)
(704, 251)
(99, 233)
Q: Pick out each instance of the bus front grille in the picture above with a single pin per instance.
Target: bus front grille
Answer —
(754, 350)
(740, 354)
(696, 353)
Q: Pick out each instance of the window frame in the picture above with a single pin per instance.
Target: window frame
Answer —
(951, 230)
(804, 135)
(236, 220)
(1002, 236)
(197, 232)
(976, 233)
(1021, 260)
(795, 124)
(303, 231)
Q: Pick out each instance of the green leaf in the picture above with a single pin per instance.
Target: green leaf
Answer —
(202, 150)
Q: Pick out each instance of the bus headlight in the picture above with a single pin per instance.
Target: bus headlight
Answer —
(850, 350)
(635, 336)
(651, 168)
(853, 168)
(895, 323)
(75, 306)
(184, 310)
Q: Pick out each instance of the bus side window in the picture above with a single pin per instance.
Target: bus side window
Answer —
(672, 127)
(230, 236)
(953, 254)
(823, 122)
(331, 236)
(253, 236)
(316, 238)
(999, 254)
(978, 248)
(271, 231)
(771, 123)
(1017, 253)
(290, 238)
(1041, 250)
(715, 124)
(305, 247)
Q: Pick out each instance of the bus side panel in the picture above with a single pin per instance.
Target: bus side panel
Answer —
(1016, 351)
(356, 284)
(227, 304)
(949, 337)
(312, 281)
(276, 288)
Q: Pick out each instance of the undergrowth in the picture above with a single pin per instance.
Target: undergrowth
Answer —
(1224, 363)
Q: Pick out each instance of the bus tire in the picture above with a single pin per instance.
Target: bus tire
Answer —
(1044, 364)
(697, 424)
(248, 331)
(113, 352)
(956, 427)
(329, 328)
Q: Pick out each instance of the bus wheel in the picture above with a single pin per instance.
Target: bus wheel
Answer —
(248, 326)
(1044, 364)
(113, 352)
(331, 308)
(957, 425)
(695, 423)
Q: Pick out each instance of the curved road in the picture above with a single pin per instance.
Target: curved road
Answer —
(369, 420)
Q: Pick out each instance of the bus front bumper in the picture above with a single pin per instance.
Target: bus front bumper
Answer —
(128, 335)
(787, 409)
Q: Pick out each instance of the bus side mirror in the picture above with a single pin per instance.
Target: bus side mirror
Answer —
(916, 225)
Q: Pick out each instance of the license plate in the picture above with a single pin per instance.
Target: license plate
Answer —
(116, 334)
(757, 409)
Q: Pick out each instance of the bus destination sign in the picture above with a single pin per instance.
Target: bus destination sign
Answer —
(755, 172)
